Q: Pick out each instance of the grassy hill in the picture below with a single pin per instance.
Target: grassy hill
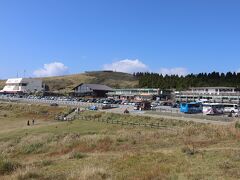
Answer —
(112, 79)
(67, 82)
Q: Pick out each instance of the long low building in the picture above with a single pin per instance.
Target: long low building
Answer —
(213, 94)
(22, 85)
(140, 94)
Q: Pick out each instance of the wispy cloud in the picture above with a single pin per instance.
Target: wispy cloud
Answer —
(127, 65)
(174, 71)
(51, 69)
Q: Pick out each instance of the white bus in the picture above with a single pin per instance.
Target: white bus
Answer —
(212, 108)
(231, 108)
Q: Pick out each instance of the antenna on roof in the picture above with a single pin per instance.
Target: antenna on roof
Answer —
(24, 73)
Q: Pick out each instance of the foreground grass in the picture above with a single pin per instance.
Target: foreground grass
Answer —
(94, 150)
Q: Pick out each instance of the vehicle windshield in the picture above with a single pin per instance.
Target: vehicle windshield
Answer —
(194, 105)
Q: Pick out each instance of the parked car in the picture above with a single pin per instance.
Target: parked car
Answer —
(143, 105)
(231, 108)
(175, 105)
(93, 108)
(137, 106)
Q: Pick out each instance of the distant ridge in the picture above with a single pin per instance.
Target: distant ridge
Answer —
(98, 71)
(109, 78)
(67, 82)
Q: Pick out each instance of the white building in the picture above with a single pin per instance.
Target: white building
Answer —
(212, 94)
(22, 85)
(140, 93)
(212, 90)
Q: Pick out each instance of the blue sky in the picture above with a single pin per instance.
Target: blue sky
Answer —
(72, 36)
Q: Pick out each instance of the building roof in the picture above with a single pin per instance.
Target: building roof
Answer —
(21, 80)
(98, 87)
(14, 80)
(220, 87)
(137, 89)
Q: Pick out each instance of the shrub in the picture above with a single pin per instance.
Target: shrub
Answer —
(237, 125)
(7, 166)
(32, 148)
(120, 140)
(189, 151)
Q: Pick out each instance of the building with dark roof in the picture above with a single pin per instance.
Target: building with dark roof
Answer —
(94, 90)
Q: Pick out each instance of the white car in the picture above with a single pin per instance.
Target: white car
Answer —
(231, 108)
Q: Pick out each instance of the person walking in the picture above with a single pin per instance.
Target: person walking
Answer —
(28, 123)
(33, 121)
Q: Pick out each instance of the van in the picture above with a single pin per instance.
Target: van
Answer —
(231, 108)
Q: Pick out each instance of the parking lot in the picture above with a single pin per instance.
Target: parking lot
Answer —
(114, 106)
(67, 101)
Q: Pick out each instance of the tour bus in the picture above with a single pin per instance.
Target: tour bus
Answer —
(212, 108)
(192, 107)
(231, 108)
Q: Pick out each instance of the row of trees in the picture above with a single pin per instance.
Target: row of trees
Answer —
(155, 80)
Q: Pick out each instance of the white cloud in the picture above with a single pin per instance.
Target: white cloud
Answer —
(171, 71)
(51, 69)
(127, 65)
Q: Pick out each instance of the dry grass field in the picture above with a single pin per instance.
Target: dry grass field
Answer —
(90, 149)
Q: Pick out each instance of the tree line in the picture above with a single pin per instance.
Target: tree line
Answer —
(155, 80)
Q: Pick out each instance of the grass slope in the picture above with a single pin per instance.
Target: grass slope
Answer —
(2, 83)
(112, 79)
(95, 150)
(67, 82)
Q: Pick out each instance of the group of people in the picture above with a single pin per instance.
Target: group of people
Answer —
(33, 122)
